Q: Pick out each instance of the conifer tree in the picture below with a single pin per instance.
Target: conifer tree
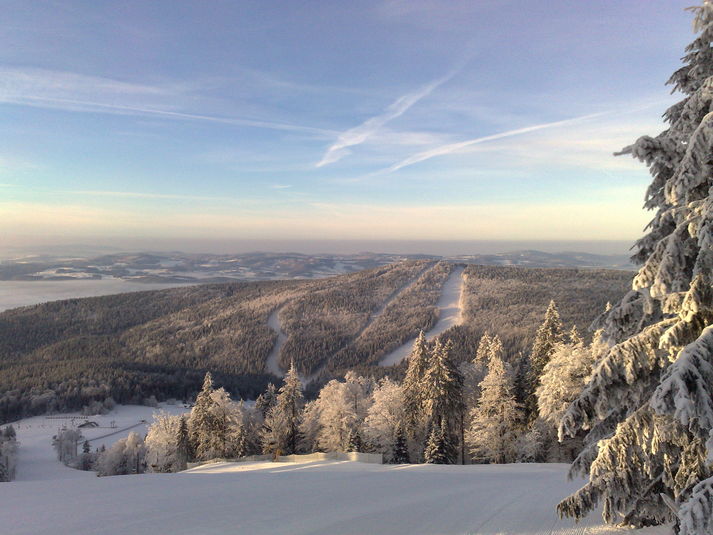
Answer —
(200, 422)
(399, 452)
(481, 354)
(565, 375)
(548, 336)
(414, 422)
(413, 385)
(649, 403)
(266, 400)
(282, 424)
(443, 386)
(182, 445)
(574, 337)
(439, 449)
(495, 422)
(354, 442)
(443, 394)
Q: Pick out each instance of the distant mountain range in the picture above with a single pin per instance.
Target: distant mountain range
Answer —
(177, 267)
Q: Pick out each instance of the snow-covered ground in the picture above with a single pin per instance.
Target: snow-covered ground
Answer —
(449, 314)
(37, 460)
(326, 497)
(23, 293)
(272, 364)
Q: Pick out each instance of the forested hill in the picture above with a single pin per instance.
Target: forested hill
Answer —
(66, 354)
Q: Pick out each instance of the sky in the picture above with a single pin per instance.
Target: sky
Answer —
(171, 122)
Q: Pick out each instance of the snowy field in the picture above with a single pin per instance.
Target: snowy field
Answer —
(37, 459)
(23, 293)
(328, 497)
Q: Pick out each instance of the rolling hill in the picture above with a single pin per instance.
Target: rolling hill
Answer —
(65, 354)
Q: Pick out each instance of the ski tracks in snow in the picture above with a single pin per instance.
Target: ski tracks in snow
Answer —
(272, 364)
(450, 313)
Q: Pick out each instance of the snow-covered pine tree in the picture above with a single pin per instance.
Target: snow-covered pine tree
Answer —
(399, 451)
(574, 337)
(495, 422)
(415, 425)
(237, 439)
(439, 449)
(565, 375)
(474, 372)
(650, 399)
(413, 388)
(443, 394)
(481, 354)
(495, 349)
(266, 400)
(199, 422)
(282, 424)
(548, 336)
(182, 445)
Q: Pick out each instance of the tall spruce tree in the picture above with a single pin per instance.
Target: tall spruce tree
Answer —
(495, 422)
(399, 452)
(281, 428)
(548, 336)
(439, 449)
(443, 393)
(413, 386)
(649, 404)
(200, 421)
(182, 445)
(481, 354)
(266, 400)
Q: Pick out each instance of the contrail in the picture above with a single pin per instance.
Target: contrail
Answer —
(453, 147)
(359, 134)
(99, 107)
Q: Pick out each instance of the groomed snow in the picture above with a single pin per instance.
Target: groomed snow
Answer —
(272, 364)
(449, 306)
(327, 497)
(37, 460)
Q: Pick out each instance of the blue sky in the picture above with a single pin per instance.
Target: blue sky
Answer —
(159, 121)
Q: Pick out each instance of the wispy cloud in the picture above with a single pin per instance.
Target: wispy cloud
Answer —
(455, 147)
(143, 195)
(359, 134)
(92, 94)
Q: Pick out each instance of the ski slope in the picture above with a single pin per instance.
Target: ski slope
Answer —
(329, 498)
(325, 497)
(450, 305)
(272, 364)
(37, 460)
